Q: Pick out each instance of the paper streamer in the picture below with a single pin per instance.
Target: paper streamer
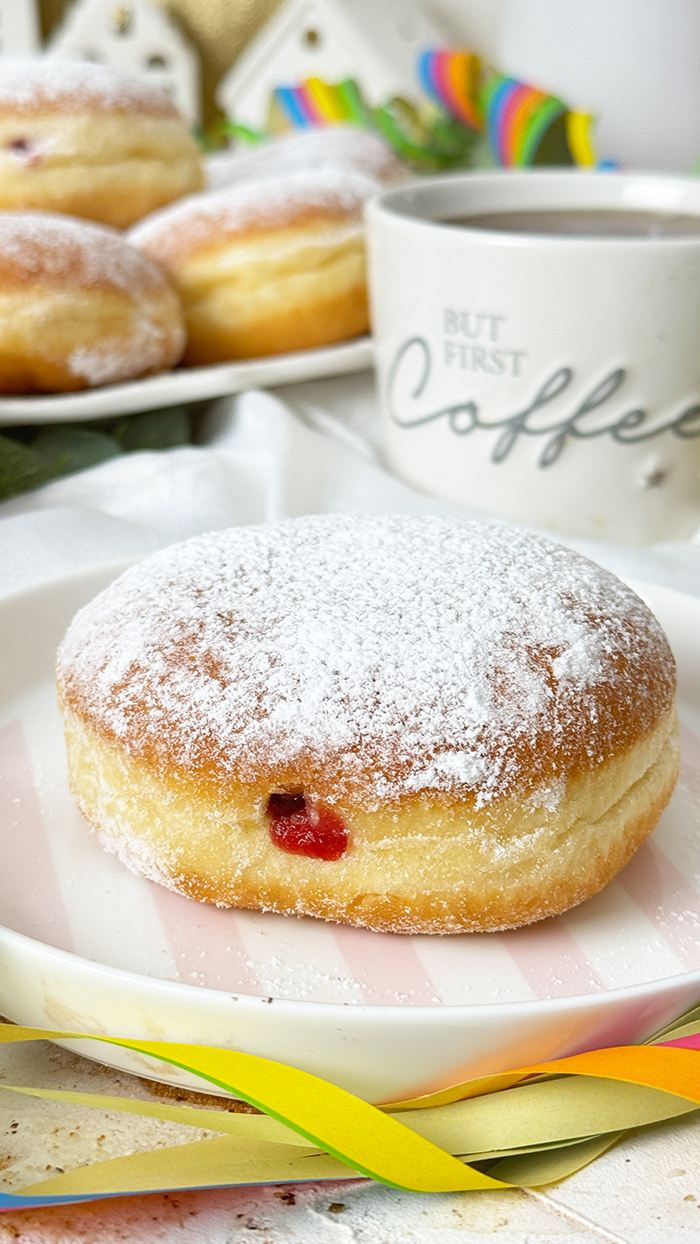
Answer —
(516, 117)
(578, 132)
(312, 1130)
(523, 124)
(318, 103)
(451, 79)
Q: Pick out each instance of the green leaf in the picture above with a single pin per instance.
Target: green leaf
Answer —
(428, 145)
(21, 468)
(67, 448)
(154, 429)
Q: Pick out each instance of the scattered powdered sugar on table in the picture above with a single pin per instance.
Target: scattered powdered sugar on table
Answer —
(27, 85)
(77, 252)
(382, 656)
(264, 201)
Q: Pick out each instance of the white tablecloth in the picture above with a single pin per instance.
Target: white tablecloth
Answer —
(309, 448)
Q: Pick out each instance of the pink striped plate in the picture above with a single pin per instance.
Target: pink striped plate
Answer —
(87, 945)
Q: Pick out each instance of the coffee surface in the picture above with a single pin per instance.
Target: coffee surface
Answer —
(584, 222)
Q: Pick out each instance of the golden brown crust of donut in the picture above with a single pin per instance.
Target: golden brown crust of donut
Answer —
(48, 84)
(79, 307)
(293, 289)
(535, 758)
(112, 168)
(209, 234)
(61, 254)
(205, 617)
(61, 343)
(303, 326)
(419, 866)
(268, 268)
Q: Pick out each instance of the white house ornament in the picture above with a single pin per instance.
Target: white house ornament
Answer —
(137, 38)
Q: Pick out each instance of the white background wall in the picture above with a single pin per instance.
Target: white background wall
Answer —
(633, 63)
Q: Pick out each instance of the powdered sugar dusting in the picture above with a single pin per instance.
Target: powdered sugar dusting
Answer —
(27, 85)
(377, 657)
(266, 201)
(76, 252)
(343, 145)
(118, 358)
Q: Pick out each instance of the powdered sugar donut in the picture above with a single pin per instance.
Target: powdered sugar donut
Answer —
(84, 139)
(344, 146)
(266, 266)
(80, 307)
(409, 724)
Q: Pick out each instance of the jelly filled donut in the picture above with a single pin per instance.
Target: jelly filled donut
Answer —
(79, 306)
(84, 139)
(409, 724)
(266, 266)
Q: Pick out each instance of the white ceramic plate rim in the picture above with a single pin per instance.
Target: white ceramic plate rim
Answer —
(361, 1011)
(189, 384)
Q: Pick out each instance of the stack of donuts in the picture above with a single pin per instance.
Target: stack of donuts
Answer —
(116, 262)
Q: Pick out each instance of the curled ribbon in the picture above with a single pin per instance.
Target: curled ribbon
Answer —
(529, 1131)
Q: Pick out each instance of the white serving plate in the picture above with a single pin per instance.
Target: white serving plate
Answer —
(88, 946)
(189, 384)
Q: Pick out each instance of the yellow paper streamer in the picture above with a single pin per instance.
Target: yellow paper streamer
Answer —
(578, 133)
(539, 1131)
(370, 1142)
(204, 1164)
(534, 1117)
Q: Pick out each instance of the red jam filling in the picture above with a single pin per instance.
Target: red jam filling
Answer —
(303, 828)
(25, 149)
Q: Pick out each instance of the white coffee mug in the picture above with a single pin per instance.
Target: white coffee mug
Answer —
(548, 378)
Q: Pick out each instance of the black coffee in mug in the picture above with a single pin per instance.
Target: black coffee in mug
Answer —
(599, 222)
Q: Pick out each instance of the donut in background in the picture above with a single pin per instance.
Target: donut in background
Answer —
(80, 307)
(346, 146)
(268, 266)
(84, 139)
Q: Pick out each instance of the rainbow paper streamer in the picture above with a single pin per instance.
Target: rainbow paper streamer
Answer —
(517, 118)
(316, 103)
(451, 79)
(523, 125)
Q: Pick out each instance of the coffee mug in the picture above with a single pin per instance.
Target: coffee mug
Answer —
(538, 347)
